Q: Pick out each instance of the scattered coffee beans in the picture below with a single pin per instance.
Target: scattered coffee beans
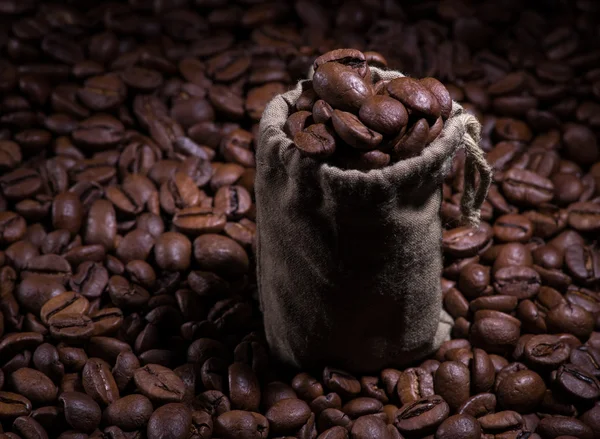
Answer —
(127, 285)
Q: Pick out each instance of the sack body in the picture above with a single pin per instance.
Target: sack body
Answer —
(349, 262)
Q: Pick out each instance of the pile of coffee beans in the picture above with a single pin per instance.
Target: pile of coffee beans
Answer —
(127, 295)
(366, 124)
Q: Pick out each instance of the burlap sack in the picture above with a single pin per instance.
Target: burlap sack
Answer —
(349, 262)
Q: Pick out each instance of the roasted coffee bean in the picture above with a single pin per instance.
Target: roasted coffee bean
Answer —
(68, 302)
(287, 416)
(116, 155)
(450, 377)
(341, 382)
(12, 227)
(383, 115)
(368, 427)
(555, 426)
(414, 384)
(307, 387)
(351, 58)
(546, 352)
(421, 417)
(411, 142)
(340, 86)
(315, 141)
(464, 426)
(102, 93)
(129, 413)
(577, 383)
(465, 241)
(67, 212)
(527, 188)
(495, 334)
(415, 96)
(33, 385)
(173, 420)
(244, 387)
(71, 327)
(478, 405)
(220, 254)
(519, 281)
(353, 131)
(238, 424)
(98, 381)
(521, 391)
(81, 411)
(159, 383)
(501, 421)
(297, 122)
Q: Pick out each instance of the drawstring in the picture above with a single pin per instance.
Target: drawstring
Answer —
(473, 197)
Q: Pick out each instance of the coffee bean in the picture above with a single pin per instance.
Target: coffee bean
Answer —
(421, 417)
(315, 141)
(341, 382)
(546, 352)
(478, 405)
(115, 154)
(12, 227)
(159, 383)
(521, 391)
(584, 217)
(81, 411)
(130, 412)
(125, 366)
(501, 421)
(233, 201)
(383, 114)
(173, 251)
(459, 426)
(555, 426)
(340, 86)
(351, 58)
(244, 387)
(47, 360)
(334, 433)
(102, 93)
(307, 387)
(20, 184)
(297, 122)
(287, 416)
(33, 385)
(172, 421)
(450, 377)
(577, 383)
(414, 384)
(238, 424)
(71, 327)
(98, 381)
(68, 302)
(527, 188)
(465, 241)
(332, 417)
(368, 427)
(411, 142)
(441, 94)
(519, 281)
(353, 131)
(220, 254)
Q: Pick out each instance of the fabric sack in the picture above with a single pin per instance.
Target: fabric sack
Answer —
(349, 262)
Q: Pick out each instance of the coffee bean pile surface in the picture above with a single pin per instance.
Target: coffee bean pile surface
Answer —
(127, 295)
(368, 124)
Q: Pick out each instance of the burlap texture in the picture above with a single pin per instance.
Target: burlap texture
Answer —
(349, 262)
